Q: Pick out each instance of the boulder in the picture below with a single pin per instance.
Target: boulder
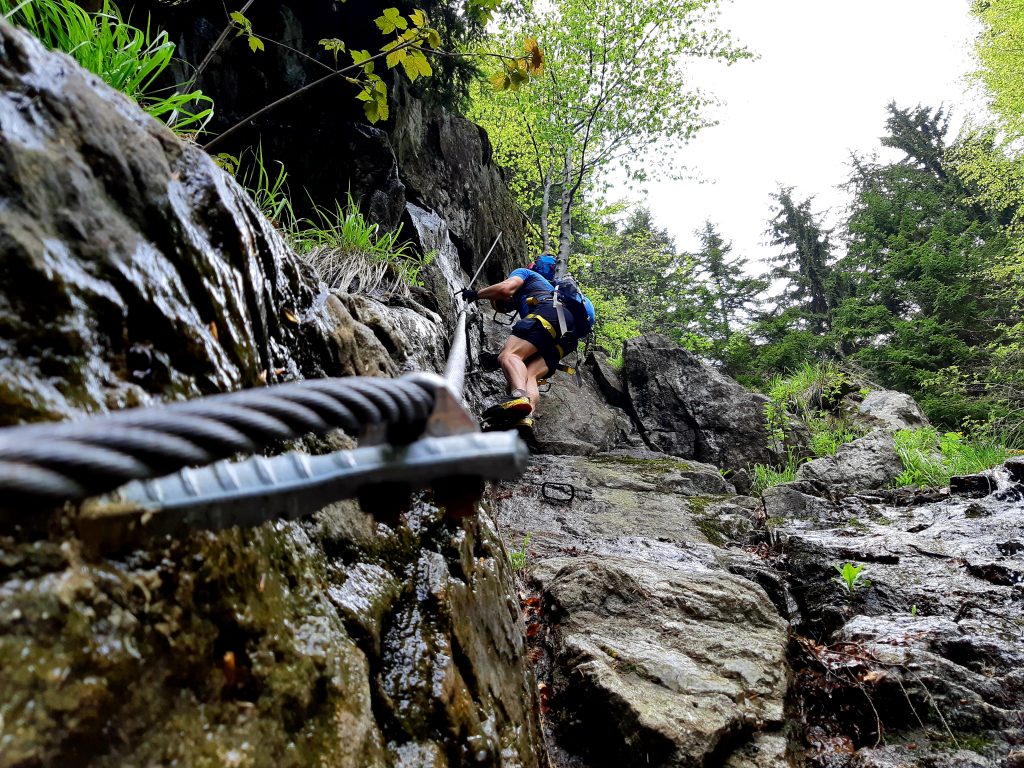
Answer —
(608, 379)
(656, 641)
(868, 463)
(886, 409)
(575, 419)
(660, 666)
(137, 269)
(688, 409)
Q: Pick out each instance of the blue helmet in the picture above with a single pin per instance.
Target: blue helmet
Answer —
(545, 266)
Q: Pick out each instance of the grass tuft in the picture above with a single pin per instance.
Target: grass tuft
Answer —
(930, 459)
(125, 57)
(766, 476)
(351, 254)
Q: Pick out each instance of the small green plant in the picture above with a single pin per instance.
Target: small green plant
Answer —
(518, 557)
(267, 187)
(808, 392)
(851, 578)
(930, 459)
(827, 434)
(765, 476)
(125, 57)
(913, 610)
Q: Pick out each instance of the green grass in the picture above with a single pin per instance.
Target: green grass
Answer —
(268, 187)
(517, 558)
(351, 254)
(931, 458)
(348, 253)
(811, 393)
(766, 476)
(125, 57)
(827, 434)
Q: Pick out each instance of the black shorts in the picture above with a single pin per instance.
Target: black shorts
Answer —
(550, 348)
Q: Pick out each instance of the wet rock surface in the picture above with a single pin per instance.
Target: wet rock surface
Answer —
(652, 651)
(338, 641)
(920, 664)
(136, 269)
(655, 665)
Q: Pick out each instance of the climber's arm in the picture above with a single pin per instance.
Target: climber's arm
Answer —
(506, 289)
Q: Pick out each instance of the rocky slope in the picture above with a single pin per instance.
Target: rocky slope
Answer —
(663, 617)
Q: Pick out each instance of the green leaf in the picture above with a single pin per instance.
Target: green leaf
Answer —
(394, 58)
(390, 21)
(255, 44)
(433, 38)
(416, 65)
(418, 17)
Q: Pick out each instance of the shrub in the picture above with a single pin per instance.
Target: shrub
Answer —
(930, 459)
(125, 57)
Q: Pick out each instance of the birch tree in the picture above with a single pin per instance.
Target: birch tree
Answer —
(614, 91)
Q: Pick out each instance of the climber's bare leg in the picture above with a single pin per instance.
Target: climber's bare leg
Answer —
(512, 359)
(535, 369)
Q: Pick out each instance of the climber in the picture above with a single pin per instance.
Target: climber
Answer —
(539, 340)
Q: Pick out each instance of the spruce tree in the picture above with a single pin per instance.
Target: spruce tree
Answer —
(804, 263)
(728, 295)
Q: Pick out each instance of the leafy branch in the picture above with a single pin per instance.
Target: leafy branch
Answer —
(413, 40)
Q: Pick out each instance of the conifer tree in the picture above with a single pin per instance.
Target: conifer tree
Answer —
(804, 263)
(729, 296)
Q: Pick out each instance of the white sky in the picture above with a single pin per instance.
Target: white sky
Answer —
(826, 71)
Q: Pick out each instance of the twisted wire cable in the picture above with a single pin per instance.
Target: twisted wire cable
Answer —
(71, 461)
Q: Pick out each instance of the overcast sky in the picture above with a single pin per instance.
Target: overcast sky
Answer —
(826, 71)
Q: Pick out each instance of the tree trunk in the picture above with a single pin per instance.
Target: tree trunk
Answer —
(545, 209)
(565, 223)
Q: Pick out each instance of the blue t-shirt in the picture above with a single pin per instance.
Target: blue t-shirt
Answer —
(533, 285)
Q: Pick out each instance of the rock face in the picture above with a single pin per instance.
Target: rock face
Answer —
(660, 666)
(137, 270)
(886, 409)
(690, 410)
(654, 652)
(929, 650)
(867, 463)
(337, 641)
(445, 163)
(420, 155)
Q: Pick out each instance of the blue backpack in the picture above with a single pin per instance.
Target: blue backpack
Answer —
(568, 295)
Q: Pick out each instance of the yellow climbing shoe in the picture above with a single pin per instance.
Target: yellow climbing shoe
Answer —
(509, 411)
(525, 429)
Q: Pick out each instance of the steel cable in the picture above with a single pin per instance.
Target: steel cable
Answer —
(74, 460)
